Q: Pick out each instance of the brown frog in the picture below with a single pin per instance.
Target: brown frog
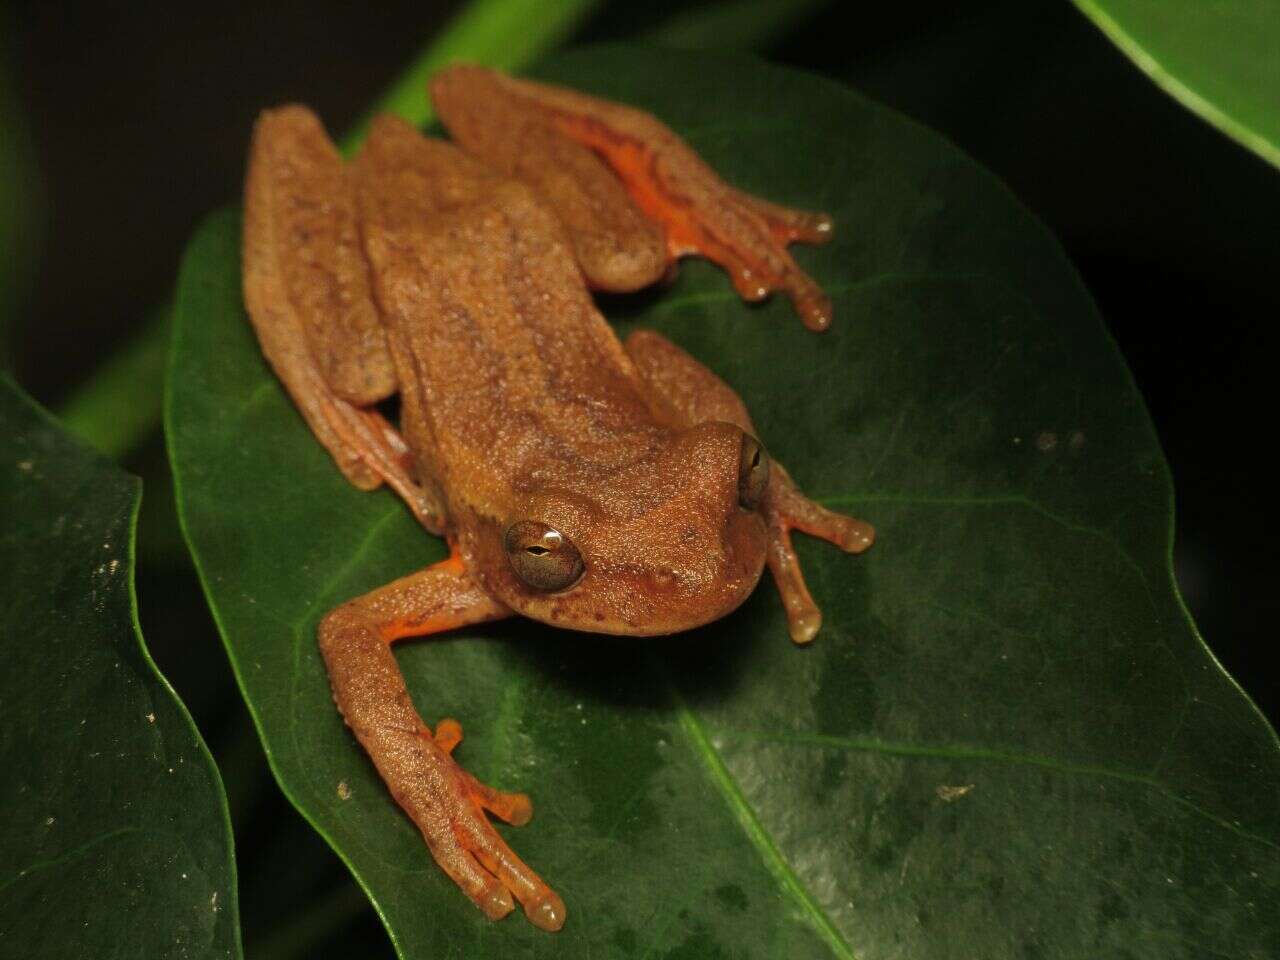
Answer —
(587, 483)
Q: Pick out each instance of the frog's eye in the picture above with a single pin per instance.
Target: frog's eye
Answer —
(542, 556)
(753, 472)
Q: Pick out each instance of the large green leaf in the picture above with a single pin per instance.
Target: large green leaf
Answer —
(116, 840)
(1220, 60)
(1008, 740)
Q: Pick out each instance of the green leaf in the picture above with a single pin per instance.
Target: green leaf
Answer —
(116, 840)
(1008, 739)
(1220, 60)
(737, 25)
(498, 33)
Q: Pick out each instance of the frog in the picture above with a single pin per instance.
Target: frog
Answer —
(594, 484)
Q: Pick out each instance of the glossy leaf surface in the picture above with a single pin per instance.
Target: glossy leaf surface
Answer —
(116, 841)
(1007, 741)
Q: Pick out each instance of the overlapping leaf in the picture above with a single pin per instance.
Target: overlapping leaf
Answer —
(116, 841)
(1219, 60)
(1008, 740)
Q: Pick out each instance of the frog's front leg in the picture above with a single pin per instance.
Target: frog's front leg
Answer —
(682, 392)
(528, 130)
(445, 802)
(307, 290)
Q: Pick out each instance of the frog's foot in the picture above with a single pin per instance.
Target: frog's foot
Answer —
(786, 509)
(448, 805)
(387, 454)
(567, 144)
(380, 454)
(702, 215)
(515, 808)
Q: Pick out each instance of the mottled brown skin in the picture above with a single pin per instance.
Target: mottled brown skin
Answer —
(462, 285)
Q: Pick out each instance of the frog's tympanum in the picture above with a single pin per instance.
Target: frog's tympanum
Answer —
(588, 483)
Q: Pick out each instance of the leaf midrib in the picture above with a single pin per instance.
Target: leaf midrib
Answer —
(755, 831)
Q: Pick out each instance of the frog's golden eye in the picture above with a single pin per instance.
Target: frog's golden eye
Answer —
(753, 472)
(542, 556)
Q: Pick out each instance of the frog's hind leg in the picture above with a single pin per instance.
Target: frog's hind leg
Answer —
(445, 802)
(515, 123)
(616, 246)
(682, 392)
(306, 286)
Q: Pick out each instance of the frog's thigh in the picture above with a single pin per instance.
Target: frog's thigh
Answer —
(679, 389)
(302, 245)
(682, 392)
(617, 247)
(307, 289)
(445, 802)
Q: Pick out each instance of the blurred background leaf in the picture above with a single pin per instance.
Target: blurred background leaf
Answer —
(1220, 60)
(728, 25)
(499, 33)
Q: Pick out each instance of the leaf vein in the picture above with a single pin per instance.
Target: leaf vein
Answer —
(940, 752)
(39, 866)
(756, 833)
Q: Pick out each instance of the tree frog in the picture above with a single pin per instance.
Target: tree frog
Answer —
(587, 483)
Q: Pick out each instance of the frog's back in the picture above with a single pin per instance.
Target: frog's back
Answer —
(506, 368)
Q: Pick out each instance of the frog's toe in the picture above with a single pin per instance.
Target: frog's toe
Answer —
(803, 616)
(787, 509)
(542, 905)
(848, 533)
(448, 734)
(484, 889)
(547, 912)
(496, 901)
(787, 224)
(515, 808)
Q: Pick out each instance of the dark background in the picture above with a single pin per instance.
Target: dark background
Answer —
(137, 123)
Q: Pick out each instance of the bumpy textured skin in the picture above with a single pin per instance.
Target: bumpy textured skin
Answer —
(517, 403)
(313, 250)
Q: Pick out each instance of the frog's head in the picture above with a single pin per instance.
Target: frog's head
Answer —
(665, 544)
